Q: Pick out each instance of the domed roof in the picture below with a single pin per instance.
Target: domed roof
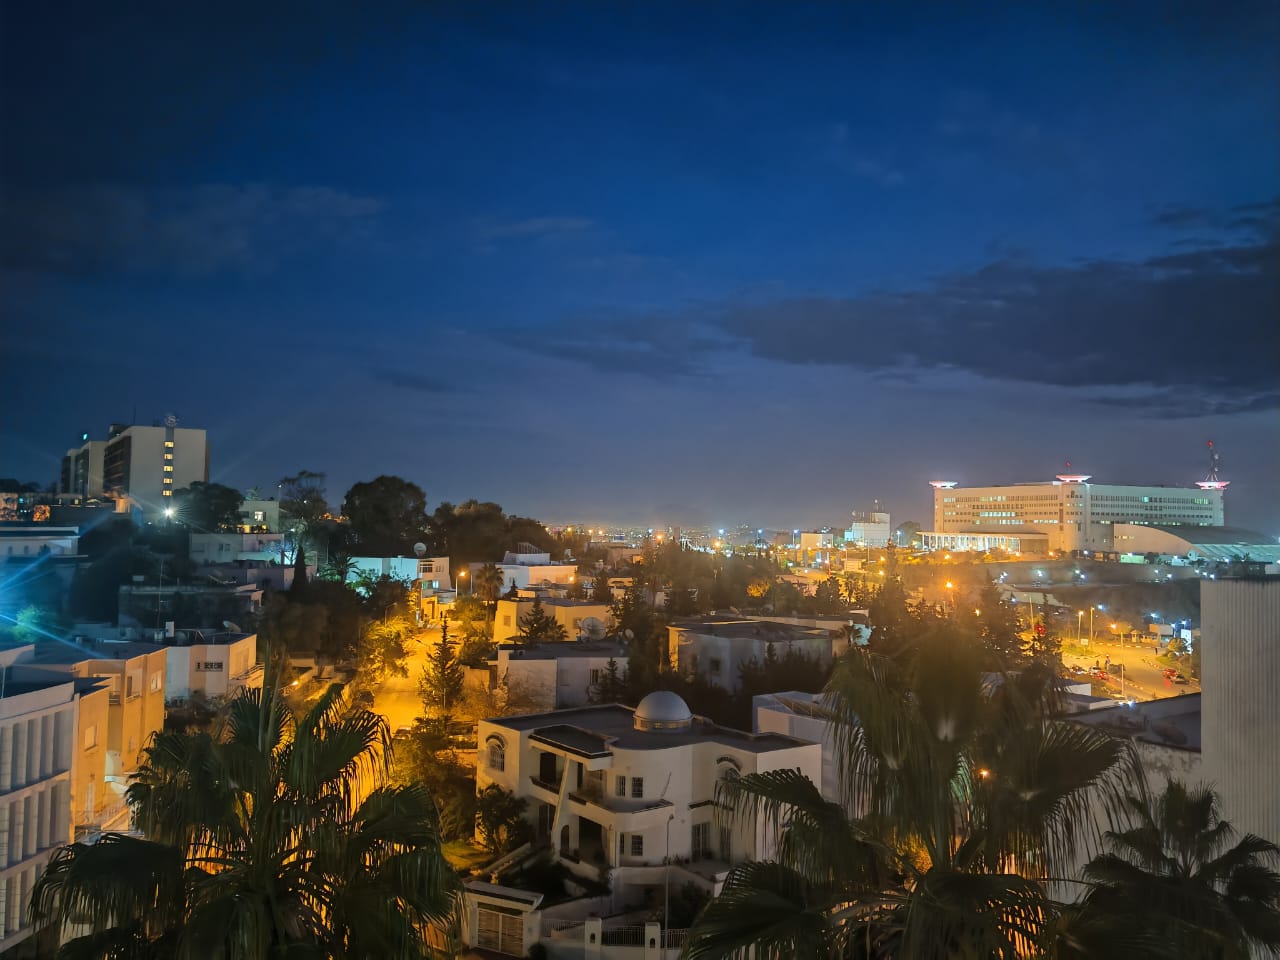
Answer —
(663, 710)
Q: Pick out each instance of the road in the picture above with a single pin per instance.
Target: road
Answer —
(398, 699)
(1144, 678)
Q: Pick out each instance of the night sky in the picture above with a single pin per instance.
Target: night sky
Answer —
(687, 263)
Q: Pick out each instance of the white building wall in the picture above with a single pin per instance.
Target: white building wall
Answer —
(1240, 677)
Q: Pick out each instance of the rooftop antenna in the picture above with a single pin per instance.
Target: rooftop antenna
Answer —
(1212, 480)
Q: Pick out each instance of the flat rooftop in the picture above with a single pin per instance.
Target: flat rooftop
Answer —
(1170, 722)
(55, 652)
(566, 649)
(596, 730)
(738, 628)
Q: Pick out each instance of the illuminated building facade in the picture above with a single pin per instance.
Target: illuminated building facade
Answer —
(1074, 514)
(145, 465)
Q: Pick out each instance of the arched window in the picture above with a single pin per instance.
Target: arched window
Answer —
(497, 753)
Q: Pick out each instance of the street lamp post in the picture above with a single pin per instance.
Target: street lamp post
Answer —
(462, 575)
(1091, 623)
(1080, 628)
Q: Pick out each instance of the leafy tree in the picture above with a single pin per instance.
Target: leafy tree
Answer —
(500, 819)
(381, 652)
(538, 626)
(270, 837)
(387, 516)
(208, 507)
(302, 502)
(829, 597)
(637, 625)
(426, 756)
(601, 592)
(947, 788)
(442, 677)
(997, 621)
(907, 532)
(612, 685)
(891, 621)
(1173, 885)
(299, 585)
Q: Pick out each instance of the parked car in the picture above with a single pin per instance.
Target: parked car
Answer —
(1179, 678)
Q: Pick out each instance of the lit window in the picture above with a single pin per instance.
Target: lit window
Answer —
(166, 493)
(168, 468)
(168, 480)
(168, 444)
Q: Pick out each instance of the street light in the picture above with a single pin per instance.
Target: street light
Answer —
(462, 575)
(1080, 628)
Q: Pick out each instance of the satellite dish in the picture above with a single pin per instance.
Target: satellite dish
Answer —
(629, 634)
(593, 628)
(420, 549)
(234, 627)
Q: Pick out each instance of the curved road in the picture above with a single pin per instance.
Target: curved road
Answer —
(1144, 675)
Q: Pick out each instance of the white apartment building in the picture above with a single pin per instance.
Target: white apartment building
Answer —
(1072, 513)
(145, 465)
(718, 647)
(794, 713)
(211, 664)
(37, 734)
(524, 570)
(611, 787)
(82, 469)
(228, 547)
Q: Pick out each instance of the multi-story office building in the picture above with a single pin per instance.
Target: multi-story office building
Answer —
(144, 465)
(82, 469)
(1074, 514)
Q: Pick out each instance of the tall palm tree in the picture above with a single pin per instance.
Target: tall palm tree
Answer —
(1174, 885)
(273, 837)
(961, 798)
(488, 583)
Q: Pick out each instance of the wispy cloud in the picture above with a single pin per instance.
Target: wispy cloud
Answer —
(198, 230)
(532, 227)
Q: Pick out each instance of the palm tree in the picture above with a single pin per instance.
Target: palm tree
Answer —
(273, 837)
(961, 798)
(1171, 886)
(488, 583)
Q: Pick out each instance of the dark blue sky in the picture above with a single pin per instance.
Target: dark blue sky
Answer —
(682, 263)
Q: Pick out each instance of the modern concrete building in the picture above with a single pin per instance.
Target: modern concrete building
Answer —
(228, 547)
(37, 751)
(260, 516)
(524, 570)
(1240, 676)
(145, 465)
(870, 529)
(211, 664)
(82, 469)
(1074, 514)
(1213, 544)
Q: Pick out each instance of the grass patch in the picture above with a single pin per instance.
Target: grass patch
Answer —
(465, 856)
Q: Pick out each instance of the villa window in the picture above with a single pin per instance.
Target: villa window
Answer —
(637, 787)
(637, 845)
(621, 787)
(497, 755)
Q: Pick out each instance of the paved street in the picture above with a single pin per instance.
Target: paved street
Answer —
(1144, 678)
(398, 699)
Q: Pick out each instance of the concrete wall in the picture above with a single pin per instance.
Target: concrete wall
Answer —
(1240, 677)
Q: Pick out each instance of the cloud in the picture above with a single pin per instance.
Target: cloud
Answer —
(408, 380)
(198, 230)
(1196, 320)
(533, 227)
(844, 154)
(1192, 332)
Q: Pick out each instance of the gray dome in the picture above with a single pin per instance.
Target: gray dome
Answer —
(663, 710)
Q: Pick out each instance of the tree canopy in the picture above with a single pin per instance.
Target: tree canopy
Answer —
(208, 507)
(388, 515)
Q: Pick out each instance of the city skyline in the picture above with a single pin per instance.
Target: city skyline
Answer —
(646, 263)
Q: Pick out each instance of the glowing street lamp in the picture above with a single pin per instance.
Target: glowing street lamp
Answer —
(462, 575)
(1080, 627)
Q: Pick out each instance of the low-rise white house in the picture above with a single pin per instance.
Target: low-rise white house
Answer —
(574, 615)
(211, 664)
(557, 675)
(718, 647)
(524, 570)
(614, 788)
(798, 714)
(227, 547)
